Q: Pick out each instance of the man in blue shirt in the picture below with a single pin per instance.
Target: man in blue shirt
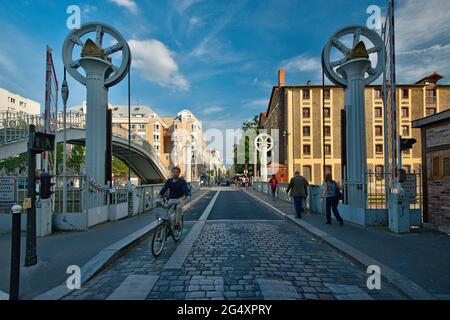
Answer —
(178, 189)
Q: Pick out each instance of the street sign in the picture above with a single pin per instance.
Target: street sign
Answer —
(8, 192)
(410, 186)
(43, 142)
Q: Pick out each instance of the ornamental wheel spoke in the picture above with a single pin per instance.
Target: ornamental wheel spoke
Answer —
(113, 49)
(356, 37)
(338, 62)
(340, 46)
(99, 36)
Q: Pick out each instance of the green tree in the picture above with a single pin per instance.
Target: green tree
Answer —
(245, 144)
(119, 168)
(15, 162)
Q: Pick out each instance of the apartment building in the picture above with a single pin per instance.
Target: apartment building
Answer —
(186, 139)
(12, 102)
(169, 136)
(309, 121)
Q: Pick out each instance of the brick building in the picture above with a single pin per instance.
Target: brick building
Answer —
(435, 133)
(308, 131)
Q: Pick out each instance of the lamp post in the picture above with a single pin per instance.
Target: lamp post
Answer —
(354, 71)
(100, 75)
(65, 97)
(263, 144)
(14, 284)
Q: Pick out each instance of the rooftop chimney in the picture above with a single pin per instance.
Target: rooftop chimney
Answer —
(281, 77)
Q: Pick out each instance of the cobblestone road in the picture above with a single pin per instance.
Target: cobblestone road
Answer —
(238, 258)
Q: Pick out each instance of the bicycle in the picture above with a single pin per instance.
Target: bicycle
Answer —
(165, 214)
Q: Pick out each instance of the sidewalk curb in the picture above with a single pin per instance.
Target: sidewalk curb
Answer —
(407, 287)
(107, 256)
(3, 295)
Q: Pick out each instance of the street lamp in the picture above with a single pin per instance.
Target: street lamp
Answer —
(14, 283)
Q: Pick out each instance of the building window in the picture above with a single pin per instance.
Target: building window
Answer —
(430, 111)
(377, 93)
(379, 149)
(446, 167)
(327, 149)
(430, 95)
(327, 131)
(378, 112)
(307, 172)
(306, 131)
(157, 126)
(306, 112)
(306, 149)
(328, 170)
(379, 172)
(378, 130)
(405, 93)
(405, 112)
(326, 94)
(326, 112)
(306, 94)
(440, 167)
(156, 137)
(193, 127)
(436, 167)
(405, 130)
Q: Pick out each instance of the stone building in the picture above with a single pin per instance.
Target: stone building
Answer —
(435, 134)
(12, 102)
(310, 135)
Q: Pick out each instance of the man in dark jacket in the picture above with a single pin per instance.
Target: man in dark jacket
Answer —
(178, 189)
(299, 192)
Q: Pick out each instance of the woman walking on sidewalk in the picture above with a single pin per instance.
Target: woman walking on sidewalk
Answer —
(273, 183)
(331, 193)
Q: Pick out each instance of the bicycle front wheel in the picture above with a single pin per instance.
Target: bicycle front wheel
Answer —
(159, 239)
(176, 233)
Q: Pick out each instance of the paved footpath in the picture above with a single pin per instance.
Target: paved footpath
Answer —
(58, 251)
(422, 256)
(236, 248)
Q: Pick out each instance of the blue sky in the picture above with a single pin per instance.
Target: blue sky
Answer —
(217, 58)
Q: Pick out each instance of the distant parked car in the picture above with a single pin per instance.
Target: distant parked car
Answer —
(225, 183)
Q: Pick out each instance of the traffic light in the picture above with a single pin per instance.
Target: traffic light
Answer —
(43, 142)
(406, 144)
(46, 185)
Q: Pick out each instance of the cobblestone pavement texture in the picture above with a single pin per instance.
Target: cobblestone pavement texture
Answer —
(239, 259)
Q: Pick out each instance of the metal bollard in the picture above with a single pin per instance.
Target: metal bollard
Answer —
(14, 283)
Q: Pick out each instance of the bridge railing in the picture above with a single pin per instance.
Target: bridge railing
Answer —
(312, 201)
(14, 125)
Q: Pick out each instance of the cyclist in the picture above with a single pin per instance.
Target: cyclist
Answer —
(178, 189)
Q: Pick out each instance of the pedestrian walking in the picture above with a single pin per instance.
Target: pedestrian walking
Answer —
(273, 183)
(298, 186)
(332, 195)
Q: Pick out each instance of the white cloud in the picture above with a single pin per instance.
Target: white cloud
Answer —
(211, 110)
(130, 5)
(422, 38)
(302, 63)
(419, 23)
(88, 9)
(256, 104)
(183, 5)
(155, 62)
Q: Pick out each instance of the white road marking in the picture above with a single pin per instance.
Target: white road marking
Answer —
(134, 287)
(180, 254)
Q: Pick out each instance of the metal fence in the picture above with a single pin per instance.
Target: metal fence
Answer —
(376, 192)
(374, 188)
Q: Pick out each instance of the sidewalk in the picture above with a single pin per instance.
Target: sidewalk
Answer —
(422, 256)
(58, 251)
